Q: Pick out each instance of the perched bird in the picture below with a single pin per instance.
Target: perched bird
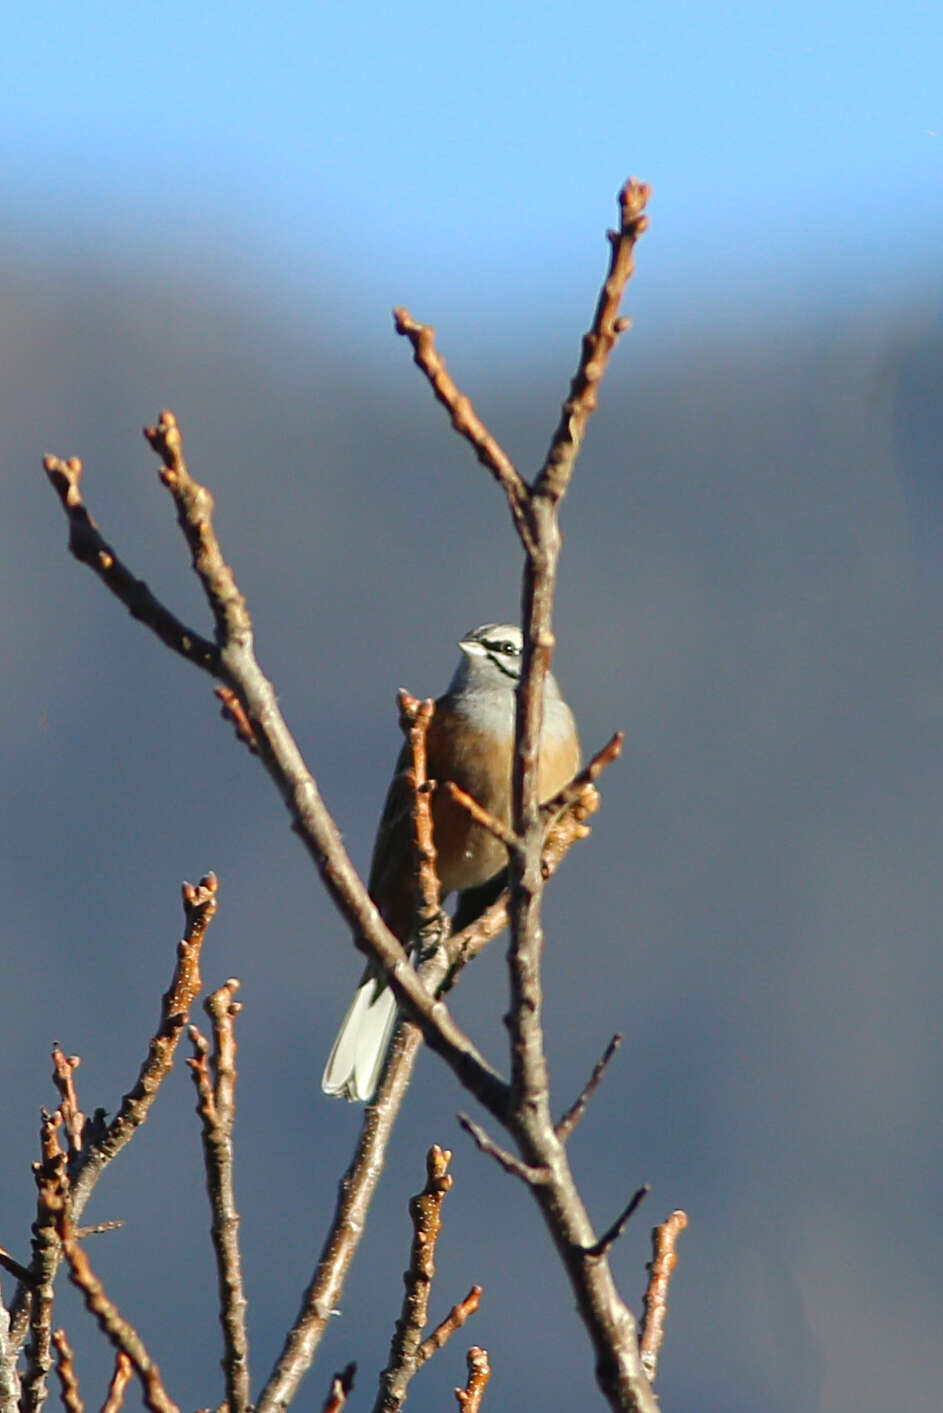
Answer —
(471, 742)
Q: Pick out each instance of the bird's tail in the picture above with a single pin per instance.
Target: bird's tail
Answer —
(354, 1064)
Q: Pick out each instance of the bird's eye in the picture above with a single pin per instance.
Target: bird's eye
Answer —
(510, 648)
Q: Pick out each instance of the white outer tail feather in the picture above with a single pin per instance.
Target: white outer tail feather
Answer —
(354, 1064)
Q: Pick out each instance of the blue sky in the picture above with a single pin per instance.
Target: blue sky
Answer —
(458, 156)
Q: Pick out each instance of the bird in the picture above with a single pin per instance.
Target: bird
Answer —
(470, 741)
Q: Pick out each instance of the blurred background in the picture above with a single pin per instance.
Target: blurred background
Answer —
(213, 208)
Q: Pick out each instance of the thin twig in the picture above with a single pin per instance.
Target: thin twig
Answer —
(231, 709)
(88, 547)
(341, 1386)
(9, 1263)
(119, 1332)
(217, 1109)
(479, 1372)
(425, 1209)
(63, 1077)
(485, 818)
(465, 419)
(52, 1186)
(194, 506)
(65, 1368)
(655, 1302)
(565, 831)
(119, 1383)
(576, 789)
(612, 1234)
(97, 1229)
(578, 793)
(199, 905)
(577, 1109)
(598, 343)
(454, 1320)
(415, 717)
(527, 1172)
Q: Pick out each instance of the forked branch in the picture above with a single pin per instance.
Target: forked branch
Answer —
(534, 511)
(408, 1349)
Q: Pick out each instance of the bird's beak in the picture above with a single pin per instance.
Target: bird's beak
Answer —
(471, 648)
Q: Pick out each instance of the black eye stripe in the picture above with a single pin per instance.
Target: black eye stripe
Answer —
(510, 670)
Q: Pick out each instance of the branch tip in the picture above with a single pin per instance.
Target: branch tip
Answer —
(479, 1372)
(577, 1109)
(533, 1176)
(485, 818)
(655, 1301)
(341, 1386)
(465, 419)
(232, 710)
(65, 1368)
(454, 1320)
(611, 1236)
(120, 1379)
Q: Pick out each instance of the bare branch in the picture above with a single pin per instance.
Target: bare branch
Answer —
(465, 419)
(199, 909)
(479, 1372)
(121, 1334)
(63, 1071)
(199, 906)
(88, 547)
(9, 1263)
(233, 710)
(415, 716)
(577, 788)
(341, 1386)
(216, 1107)
(612, 1234)
(355, 1193)
(483, 817)
(119, 1383)
(425, 1209)
(598, 344)
(52, 1192)
(533, 1176)
(569, 827)
(454, 1320)
(664, 1260)
(65, 1367)
(194, 505)
(97, 1229)
(577, 1109)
